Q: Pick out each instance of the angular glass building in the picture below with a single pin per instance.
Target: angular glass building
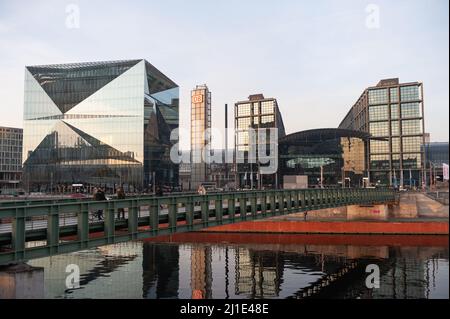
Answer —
(98, 124)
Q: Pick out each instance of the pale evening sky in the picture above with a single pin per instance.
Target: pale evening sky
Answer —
(315, 57)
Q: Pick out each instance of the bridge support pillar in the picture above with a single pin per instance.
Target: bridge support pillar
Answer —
(368, 212)
(21, 281)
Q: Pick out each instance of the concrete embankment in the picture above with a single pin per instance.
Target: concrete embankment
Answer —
(414, 214)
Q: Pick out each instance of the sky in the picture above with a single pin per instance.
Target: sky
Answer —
(315, 57)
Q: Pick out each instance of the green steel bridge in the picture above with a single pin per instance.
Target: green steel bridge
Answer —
(41, 228)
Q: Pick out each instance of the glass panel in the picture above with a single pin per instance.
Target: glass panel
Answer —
(412, 144)
(410, 110)
(395, 128)
(394, 112)
(379, 162)
(378, 96)
(409, 93)
(412, 127)
(379, 129)
(379, 147)
(394, 94)
(412, 160)
(379, 112)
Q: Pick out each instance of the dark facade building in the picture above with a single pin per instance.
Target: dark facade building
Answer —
(328, 157)
(99, 124)
(394, 111)
(10, 158)
(436, 154)
(255, 113)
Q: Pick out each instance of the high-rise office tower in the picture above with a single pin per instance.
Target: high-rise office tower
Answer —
(393, 111)
(255, 113)
(10, 158)
(200, 123)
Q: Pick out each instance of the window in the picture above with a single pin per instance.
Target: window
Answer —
(255, 108)
(394, 112)
(410, 110)
(412, 144)
(379, 162)
(379, 147)
(378, 96)
(267, 119)
(394, 94)
(243, 109)
(379, 129)
(395, 145)
(412, 160)
(379, 112)
(243, 123)
(267, 107)
(395, 128)
(409, 93)
(412, 127)
(396, 161)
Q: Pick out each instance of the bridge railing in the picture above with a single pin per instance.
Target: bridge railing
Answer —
(149, 216)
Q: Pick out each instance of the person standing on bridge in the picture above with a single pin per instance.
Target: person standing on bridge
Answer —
(99, 195)
(120, 195)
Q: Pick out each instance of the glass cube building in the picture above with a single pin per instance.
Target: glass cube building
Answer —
(99, 124)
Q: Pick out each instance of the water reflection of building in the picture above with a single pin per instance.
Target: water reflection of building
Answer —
(258, 274)
(160, 267)
(201, 272)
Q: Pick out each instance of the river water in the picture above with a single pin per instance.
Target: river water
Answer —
(256, 266)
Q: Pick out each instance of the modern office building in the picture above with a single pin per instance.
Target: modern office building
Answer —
(99, 124)
(394, 111)
(436, 154)
(325, 157)
(255, 113)
(10, 158)
(200, 122)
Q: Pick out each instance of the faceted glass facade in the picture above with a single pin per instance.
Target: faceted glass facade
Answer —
(98, 124)
(395, 112)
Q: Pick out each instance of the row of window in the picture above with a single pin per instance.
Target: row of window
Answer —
(409, 127)
(411, 144)
(407, 93)
(383, 162)
(408, 110)
(248, 109)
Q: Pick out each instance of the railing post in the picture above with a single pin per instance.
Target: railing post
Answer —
(133, 219)
(53, 230)
(231, 207)
(288, 201)
(204, 205)
(154, 216)
(83, 225)
(219, 209)
(263, 200)
(109, 223)
(173, 208)
(243, 206)
(273, 203)
(18, 233)
(190, 213)
(253, 204)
